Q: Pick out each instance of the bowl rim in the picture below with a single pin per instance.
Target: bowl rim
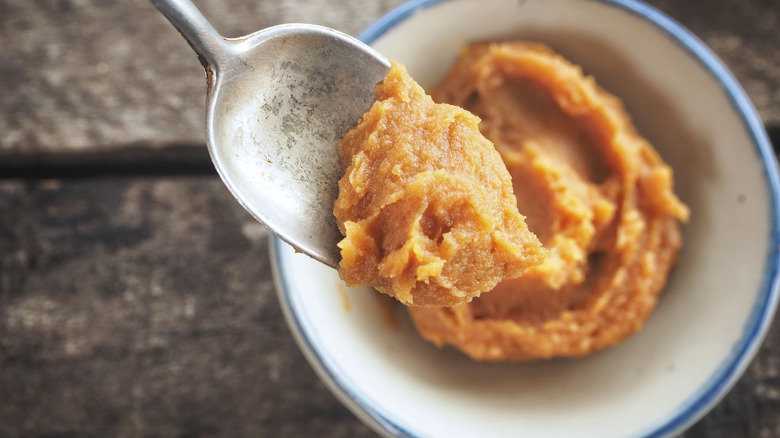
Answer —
(754, 332)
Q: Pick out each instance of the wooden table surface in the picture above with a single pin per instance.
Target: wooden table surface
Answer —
(135, 294)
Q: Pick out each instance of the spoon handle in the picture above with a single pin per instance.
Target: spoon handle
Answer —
(212, 48)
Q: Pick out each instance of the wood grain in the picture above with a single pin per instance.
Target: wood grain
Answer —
(135, 295)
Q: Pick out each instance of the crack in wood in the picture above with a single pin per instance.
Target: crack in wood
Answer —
(141, 160)
(133, 160)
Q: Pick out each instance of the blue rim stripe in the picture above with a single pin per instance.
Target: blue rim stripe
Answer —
(324, 365)
(397, 15)
(761, 316)
(727, 374)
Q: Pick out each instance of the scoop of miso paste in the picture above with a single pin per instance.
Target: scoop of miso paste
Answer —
(426, 204)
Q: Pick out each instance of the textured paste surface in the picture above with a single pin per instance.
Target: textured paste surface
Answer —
(426, 203)
(594, 192)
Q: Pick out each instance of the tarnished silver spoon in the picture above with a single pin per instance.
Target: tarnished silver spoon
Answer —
(278, 102)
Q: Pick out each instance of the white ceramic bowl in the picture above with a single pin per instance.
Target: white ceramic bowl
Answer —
(712, 316)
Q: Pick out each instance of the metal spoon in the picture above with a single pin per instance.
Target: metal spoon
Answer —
(277, 103)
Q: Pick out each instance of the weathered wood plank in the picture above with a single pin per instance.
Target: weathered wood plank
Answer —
(145, 307)
(96, 74)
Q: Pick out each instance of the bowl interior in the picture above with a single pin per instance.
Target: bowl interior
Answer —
(718, 301)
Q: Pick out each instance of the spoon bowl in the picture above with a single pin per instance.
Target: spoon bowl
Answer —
(278, 103)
